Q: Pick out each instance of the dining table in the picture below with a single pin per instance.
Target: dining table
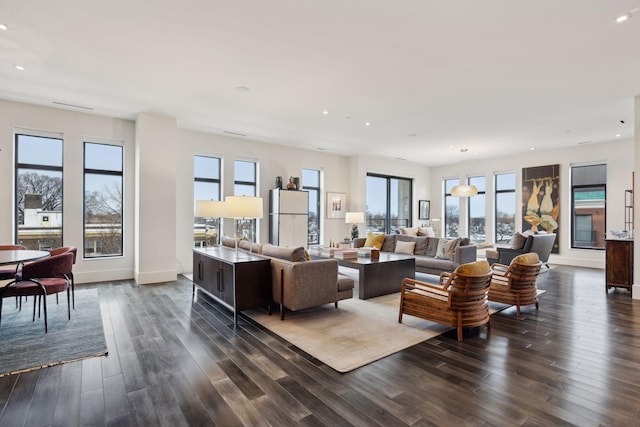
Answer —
(20, 256)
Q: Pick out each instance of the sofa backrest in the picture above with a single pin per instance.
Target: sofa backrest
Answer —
(286, 253)
(542, 244)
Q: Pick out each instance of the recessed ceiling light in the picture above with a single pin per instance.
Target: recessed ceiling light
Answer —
(412, 134)
(618, 135)
(320, 148)
(19, 67)
(325, 112)
(367, 124)
(243, 89)
(464, 150)
(532, 148)
(623, 18)
(347, 117)
(3, 27)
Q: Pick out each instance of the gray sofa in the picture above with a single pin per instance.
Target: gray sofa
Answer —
(296, 282)
(425, 252)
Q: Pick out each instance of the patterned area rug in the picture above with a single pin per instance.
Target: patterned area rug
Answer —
(24, 346)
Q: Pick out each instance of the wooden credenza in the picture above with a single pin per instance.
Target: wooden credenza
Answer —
(239, 283)
(619, 263)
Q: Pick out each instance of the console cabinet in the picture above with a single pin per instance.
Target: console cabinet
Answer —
(619, 263)
(288, 217)
(239, 283)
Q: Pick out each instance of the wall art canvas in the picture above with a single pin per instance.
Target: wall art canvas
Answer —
(541, 200)
(336, 205)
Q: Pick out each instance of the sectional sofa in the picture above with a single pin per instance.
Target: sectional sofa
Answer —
(425, 251)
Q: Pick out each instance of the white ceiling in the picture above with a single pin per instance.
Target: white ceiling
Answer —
(495, 77)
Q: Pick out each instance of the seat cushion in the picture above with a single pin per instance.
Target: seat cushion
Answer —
(344, 283)
(528, 259)
(474, 268)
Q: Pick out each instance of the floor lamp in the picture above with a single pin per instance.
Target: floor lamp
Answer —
(241, 208)
(210, 209)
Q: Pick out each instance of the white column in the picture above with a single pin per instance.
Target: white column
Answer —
(635, 290)
(155, 210)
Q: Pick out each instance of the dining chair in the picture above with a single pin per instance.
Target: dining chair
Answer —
(74, 251)
(41, 278)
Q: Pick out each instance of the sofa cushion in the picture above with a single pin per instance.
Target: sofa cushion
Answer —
(389, 244)
(528, 259)
(426, 231)
(374, 240)
(421, 243)
(288, 254)
(228, 241)
(435, 263)
(447, 248)
(344, 283)
(413, 231)
(404, 247)
(517, 241)
(474, 268)
(432, 246)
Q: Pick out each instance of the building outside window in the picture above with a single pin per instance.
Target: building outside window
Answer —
(588, 206)
(38, 191)
(103, 201)
(451, 209)
(206, 186)
(245, 184)
(311, 183)
(389, 201)
(505, 208)
(477, 210)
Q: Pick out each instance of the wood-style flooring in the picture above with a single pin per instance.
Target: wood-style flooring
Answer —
(173, 363)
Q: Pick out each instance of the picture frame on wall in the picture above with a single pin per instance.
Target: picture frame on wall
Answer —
(336, 205)
(424, 209)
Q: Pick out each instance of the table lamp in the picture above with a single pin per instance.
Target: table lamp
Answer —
(210, 209)
(354, 218)
(241, 208)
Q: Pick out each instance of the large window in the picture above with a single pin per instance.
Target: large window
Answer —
(388, 203)
(451, 209)
(245, 184)
(505, 209)
(588, 203)
(206, 186)
(102, 200)
(311, 183)
(38, 191)
(477, 210)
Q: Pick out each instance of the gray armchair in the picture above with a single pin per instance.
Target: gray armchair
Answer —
(538, 243)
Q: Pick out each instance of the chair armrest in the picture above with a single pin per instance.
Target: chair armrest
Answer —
(427, 290)
(465, 254)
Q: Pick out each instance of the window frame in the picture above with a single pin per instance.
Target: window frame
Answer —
(470, 200)
(409, 207)
(18, 166)
(446, 195)
(591, 186)
(242, 224)
(91, 171)
(497, 192)
(216, 222)
(318, 191)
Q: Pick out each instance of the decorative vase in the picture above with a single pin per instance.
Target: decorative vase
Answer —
(291, 185)
(279, 182)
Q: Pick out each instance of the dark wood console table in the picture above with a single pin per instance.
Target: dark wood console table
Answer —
(619, 263)
(239, 283)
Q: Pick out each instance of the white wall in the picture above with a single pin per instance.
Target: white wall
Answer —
(74, 127)
(618, 155)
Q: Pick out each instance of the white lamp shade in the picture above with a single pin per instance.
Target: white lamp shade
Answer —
(464, 190)
(354, 218)
(210, 209)
(243, 207)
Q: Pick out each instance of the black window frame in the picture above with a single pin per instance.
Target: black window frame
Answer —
(387, 220)
(496, 191)
(602, 185)
(318, 191)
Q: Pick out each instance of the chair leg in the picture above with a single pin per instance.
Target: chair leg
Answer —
(69, 303)
(459, 326)
(336, 303)
(44, 303)
(34, 309)
(1, 309)
(73, 290)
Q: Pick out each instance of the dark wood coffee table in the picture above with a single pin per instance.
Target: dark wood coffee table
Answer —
(381, 276)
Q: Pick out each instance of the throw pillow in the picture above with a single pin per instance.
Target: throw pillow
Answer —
(374, 240)
(473, 268)
(528, 259)
(405, 247)
(447, 248)
(426, 231)
(409, 231)
(517, 241)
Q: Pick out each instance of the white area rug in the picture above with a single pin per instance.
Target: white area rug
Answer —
(358, 332)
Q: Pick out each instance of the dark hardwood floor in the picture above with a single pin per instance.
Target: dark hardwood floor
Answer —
(172, 363)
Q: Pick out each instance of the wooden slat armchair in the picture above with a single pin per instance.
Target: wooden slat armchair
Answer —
(515, 284)
(458, 300)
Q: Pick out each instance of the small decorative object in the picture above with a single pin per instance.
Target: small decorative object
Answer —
(291, 185)
(296, 181)
(424, 207)
(279, 182)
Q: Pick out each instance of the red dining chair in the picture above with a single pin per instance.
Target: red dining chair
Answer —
(74, 251)
(41, 278)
